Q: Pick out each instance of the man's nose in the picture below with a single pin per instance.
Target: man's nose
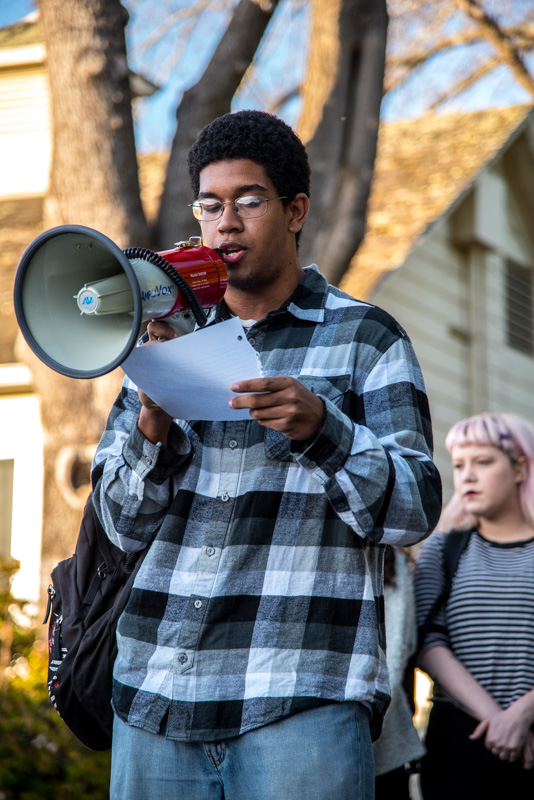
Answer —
(229, 219)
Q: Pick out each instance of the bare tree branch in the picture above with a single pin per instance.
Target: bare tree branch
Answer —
(521, 37)
(466, 83)
(209, 98)
(343, 147)
(168, 24)
(494, 34)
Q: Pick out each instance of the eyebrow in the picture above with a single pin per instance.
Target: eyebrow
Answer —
(239, 192)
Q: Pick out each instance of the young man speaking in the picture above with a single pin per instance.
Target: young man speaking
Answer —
(251, 654)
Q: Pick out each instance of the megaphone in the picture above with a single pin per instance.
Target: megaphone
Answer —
(80, 300)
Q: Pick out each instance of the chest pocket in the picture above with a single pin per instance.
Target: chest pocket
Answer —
(278, 446)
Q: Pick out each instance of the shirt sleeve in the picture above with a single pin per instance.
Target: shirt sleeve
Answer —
(374, 454)
(132, 485)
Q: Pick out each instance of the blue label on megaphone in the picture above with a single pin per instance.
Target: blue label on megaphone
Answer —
(86, 301)
(157, 291)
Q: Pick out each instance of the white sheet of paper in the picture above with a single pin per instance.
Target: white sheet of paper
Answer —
(190, 377)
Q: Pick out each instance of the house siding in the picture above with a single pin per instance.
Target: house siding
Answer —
(428, 296)
(451, 301)
(24, 131)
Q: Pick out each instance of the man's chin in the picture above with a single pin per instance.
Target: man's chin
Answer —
(251, 284)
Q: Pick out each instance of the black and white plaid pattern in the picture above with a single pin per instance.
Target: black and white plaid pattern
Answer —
(261, 594)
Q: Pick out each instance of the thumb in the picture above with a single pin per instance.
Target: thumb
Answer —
(480, 730)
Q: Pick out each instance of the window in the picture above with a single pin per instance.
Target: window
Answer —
(520, 308)
(6, 506)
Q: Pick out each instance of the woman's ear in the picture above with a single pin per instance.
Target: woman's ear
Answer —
(298, 211)
(521, 469)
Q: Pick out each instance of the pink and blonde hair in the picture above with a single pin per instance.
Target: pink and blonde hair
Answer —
(511, 434)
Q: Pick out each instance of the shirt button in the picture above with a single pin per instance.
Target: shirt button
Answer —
(252, 341)
(182, 658)
(210, 551)
(198, 603)
(312, 464)
(232, 443)
(225, 497)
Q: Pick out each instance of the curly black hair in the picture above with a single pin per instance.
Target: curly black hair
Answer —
(259, 136)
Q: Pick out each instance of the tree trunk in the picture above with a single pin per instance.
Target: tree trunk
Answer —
(351, 50)
(209, 98)
(93, 182)
(94, 176)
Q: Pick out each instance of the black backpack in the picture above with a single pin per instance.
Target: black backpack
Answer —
(87, 595)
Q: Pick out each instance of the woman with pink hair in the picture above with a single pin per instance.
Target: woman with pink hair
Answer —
(478, 623)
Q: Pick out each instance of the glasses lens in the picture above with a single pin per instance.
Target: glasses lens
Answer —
(206, 209)
(252, 206)
(245, 207)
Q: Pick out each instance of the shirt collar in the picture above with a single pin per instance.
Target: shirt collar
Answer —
(307, 301)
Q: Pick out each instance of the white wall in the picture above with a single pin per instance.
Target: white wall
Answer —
(21, 439)
(25, 145)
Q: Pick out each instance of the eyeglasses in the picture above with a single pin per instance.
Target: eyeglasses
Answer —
(245, 207)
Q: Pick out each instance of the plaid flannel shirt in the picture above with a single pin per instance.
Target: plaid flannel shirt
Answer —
(261, 593)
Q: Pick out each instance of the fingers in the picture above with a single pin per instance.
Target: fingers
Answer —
(160, 331)
(275, 384)
(527, 754)
(504, 754)
(268, 392)
(479, 730)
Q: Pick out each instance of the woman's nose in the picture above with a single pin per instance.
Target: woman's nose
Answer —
(468, 473)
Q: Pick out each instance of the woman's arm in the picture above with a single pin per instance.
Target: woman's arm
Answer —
(506, 731)
(457, 682)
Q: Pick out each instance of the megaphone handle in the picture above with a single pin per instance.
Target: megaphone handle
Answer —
(174, 275)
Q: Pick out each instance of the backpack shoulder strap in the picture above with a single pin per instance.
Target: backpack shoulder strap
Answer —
(455, 544)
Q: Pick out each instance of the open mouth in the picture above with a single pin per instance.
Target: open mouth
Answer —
(232, 253)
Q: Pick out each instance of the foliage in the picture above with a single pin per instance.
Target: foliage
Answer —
(40, 759)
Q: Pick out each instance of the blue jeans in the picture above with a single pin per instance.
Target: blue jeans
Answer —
(324, 753)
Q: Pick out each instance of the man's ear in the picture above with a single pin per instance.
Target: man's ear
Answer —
(298, 211)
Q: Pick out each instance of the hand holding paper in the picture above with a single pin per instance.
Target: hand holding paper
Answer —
(190, 377)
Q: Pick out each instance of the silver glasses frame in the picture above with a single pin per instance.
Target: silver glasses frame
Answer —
(196, 206)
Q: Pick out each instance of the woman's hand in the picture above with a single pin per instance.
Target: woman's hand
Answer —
(506, 732)
(527, 754)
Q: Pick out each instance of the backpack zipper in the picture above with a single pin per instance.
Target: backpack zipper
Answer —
(101, 573)
(51, 595)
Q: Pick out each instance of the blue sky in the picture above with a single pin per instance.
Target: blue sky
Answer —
(177, 61)
(155, 116)
(13, 10)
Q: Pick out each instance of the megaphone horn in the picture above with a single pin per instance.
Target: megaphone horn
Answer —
(80, 300)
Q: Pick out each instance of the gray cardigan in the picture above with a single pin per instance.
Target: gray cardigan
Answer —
(399, 742)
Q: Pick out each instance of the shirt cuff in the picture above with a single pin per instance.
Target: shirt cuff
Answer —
(331, 448)
(159, 460)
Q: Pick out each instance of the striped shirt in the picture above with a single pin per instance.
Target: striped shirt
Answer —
(261, 594)
(488, 621)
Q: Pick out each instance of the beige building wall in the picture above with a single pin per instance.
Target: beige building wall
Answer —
(25, 143)
(428, 296)
(450, 296)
